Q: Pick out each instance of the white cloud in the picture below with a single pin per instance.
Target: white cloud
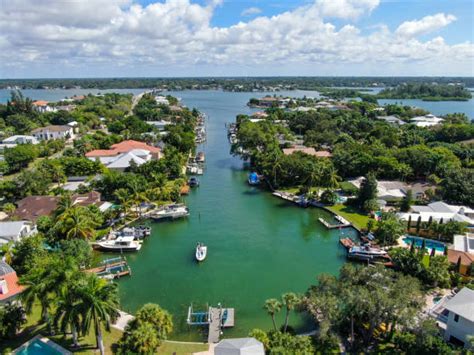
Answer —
(346, 9)
(426, 25)
(250, 11)
(177, 35)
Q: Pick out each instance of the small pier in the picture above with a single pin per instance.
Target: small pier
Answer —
(112, 268)
(216, 318)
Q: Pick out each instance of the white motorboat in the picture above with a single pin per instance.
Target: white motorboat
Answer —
(119, 244)
(201, 252)
(173, 211)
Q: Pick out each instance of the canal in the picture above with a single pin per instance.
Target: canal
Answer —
(258, 246)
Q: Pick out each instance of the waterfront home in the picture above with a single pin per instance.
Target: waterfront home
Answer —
(9, 287)
(14, 231)
(32, 207)
(270, 101)
(43, 106)
(239, 346)
(395, 190)
(307, 150)
(460, 319)
(464, 243)
(437, 211)
(53, 132)
(426, 120)
(67, 108)
(120, 155)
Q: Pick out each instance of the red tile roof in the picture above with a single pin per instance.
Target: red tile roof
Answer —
(123, 147)
(466, 258)
(308, 150)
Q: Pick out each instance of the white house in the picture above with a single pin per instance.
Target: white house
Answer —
(460, 319)
(14, 231)
(160, 125)
(161, 100)
(53, 132)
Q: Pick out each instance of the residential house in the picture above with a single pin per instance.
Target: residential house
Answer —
(440, 211)
(14, 231)
(464, 259)
(32, 207)
(53, 132)
(43, 106)
(9, 286)
(460, 320)
(426, 120)
(162, 100)
(160, 125)
(121, 155)
(13, 141)
(307, 150)
(68, 108)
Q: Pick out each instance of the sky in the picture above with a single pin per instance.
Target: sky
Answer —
(172, 38)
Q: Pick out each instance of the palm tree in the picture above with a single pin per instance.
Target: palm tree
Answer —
(272, 306)
(76, 222)
(123, 196)
(290, 300)
(331, 178)
(99, 306)
(68, 308)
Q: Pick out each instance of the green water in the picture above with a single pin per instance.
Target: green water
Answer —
(258, 246)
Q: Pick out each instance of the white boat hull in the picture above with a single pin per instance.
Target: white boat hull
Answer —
(201, 253)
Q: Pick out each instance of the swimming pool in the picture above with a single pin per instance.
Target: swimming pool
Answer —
(43, 346)
(429, 244)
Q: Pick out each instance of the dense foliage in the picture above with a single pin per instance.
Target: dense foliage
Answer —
(427, 92)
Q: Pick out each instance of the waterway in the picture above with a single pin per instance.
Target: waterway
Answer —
(258, 246)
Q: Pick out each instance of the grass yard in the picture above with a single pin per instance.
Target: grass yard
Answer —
(358, 218)
(87, 343)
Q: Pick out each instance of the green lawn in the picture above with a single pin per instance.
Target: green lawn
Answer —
(87, 343)
(358, 218)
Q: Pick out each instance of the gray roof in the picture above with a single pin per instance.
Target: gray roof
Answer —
(11, 229)
(5, 268)
(462, 304)
(239, 346)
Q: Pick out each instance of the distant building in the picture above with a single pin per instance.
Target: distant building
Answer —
(121, 155)
(307, 150)
(426, 121)
(20, 139)
(392, 119)
(162, 100)
(43, 106)
(460, 320)
(53, 132)
(9, 286)
(160, 125)
(14, 231)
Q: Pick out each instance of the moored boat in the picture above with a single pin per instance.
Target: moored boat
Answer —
(366, 253)
(173, 211)
(120, 244)
(201, 252)
(253, 179)
(200, 157)
(193, 182)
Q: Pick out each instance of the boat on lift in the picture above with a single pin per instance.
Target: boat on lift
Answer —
(253, 179)
(201, 252)
(366, 253)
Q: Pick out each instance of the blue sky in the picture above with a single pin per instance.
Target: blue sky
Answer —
(233, 37)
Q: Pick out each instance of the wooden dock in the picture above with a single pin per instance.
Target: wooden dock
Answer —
(107, 269)
(219, 318)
